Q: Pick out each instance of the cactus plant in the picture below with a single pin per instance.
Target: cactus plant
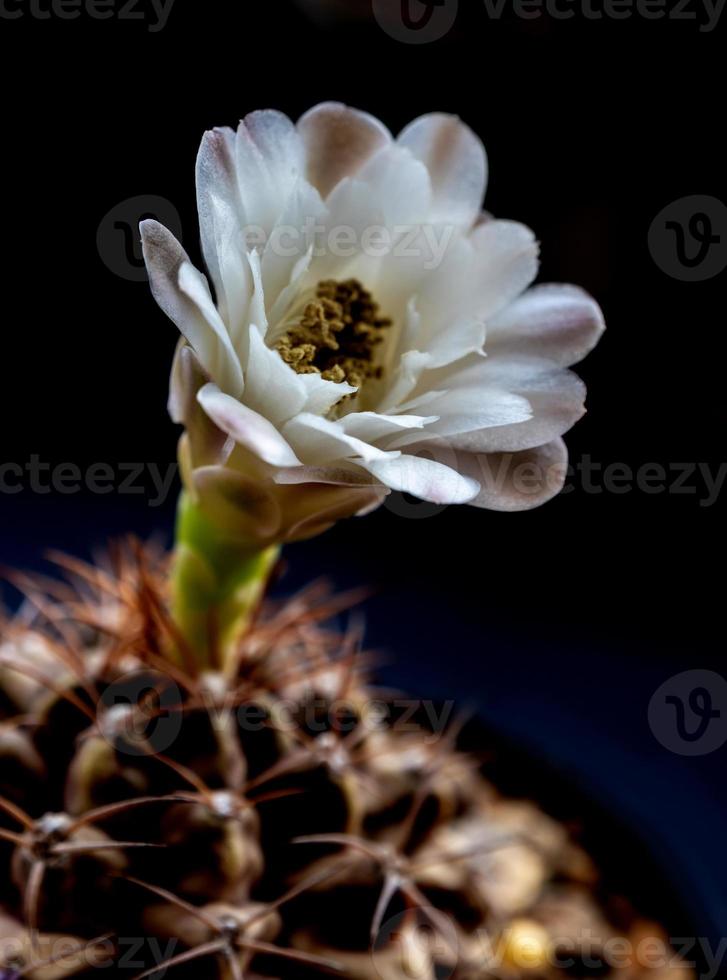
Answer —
(280, 818)
(197, 779)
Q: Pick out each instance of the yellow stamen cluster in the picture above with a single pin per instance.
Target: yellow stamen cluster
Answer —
(337, 335)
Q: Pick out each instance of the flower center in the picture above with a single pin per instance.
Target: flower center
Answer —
(337, 335)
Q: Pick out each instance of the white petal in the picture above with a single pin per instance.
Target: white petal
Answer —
(507, 260)
(318, 441)
(424, 478)
(561, 323)
(405, 380)
(194, 286)
(291, 240)
(246, 427)
(270, 162)
(450, 342)
(457, 164)
(190, 308)
(181, 381)
(371, 427)
(479, 276)
(221, 221)
(367, 216)
(517, 481)
(465, 412)
(272, 388)
(322, 395)
(463, 337)
(556, 397)
(399, 185)
(292, 290)
(257, 314)
(392, 189)
(338, 140)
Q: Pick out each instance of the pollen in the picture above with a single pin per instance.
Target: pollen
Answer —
(337, 335)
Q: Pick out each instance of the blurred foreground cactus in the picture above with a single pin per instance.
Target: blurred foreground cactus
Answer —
(278, 818)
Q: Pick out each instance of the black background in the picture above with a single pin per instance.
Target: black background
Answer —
(559, 624)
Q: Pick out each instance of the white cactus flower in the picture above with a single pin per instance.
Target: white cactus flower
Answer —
(371, 329)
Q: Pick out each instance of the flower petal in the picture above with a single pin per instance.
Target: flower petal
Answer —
(545, 401)
(453, 341)
(507, 260)
(291, 240)
(182, 292)
(338, 141)
(392, 189)
(318, 441)
(257, 313)
(322, 395)
(467, 414)
(556, 397)
(405, 380)
(207, 444)
(561, 323)
(517, 481)
(246, 427)
(221, 220)
(480, 275)
(270, 162)
(273, 389)
(457, 165)
(371, 427)
(424, 478)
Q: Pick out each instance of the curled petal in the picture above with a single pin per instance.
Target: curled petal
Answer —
(517, 481)
(319, 441)
(246, 427)
(183, 295)
(471, 412)
(557, 401)
(273, 388)
(322, 395)
(506, 405)
(425, 478)
(372, 427)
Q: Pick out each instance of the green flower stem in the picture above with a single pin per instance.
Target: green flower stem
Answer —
(218, 582)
